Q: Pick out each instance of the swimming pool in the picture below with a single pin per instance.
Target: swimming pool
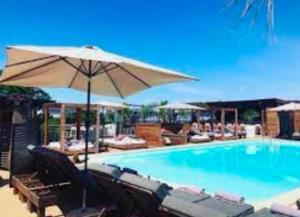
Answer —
(256, 169)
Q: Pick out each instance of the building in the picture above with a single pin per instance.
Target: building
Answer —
(258, 105)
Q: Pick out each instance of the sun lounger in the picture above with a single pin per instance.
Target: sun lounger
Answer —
(199, 138)
(188, 195)
(277, 211)
(174, 207)
(126, 143)
(176, 132)
(145, 194)
(72, 147)
(296, 136)
(107, 177)
(225, 204)
(208, 207)
(61, 166)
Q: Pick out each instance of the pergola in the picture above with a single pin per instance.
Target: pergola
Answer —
(223, 117)
(78, 108)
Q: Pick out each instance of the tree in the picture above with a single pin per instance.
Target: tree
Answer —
(253, 8)
(145, 111)
(127, 113)
(162, 112)
(34, 93)
(249, 115)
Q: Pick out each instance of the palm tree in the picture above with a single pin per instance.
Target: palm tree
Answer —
(253, 8)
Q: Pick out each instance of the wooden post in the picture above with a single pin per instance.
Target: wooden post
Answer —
(97, 128)
(62, 126)
(78, 123)
(236, 120)
(198, 119)
(263, 125)
(46, 110)
(222, 122)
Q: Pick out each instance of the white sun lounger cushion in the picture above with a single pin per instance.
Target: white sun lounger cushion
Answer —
(54, 145)
(127, 141)
(284, 210)
(199, 138)
(76, 145)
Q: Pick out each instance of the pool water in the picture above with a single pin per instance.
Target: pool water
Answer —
(255, 169)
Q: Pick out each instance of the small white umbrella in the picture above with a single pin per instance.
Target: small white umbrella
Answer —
(84, 68)
(180, 106)
(287, 107)
(111, 105)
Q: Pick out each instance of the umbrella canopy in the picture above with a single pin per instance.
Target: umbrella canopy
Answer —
(287, 107)
(180, 106)
(72, 67)
(111, 105)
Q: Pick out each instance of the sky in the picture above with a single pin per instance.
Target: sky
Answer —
(198, 37)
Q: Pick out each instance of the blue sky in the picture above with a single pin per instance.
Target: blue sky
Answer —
(192, 36)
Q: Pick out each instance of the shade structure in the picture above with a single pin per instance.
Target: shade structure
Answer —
(88, 69)
(180, 106)
(111, 105)
(287, 107)
(110, 74)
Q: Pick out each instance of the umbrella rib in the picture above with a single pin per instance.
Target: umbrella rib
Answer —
(114, 84)
(72, 65)
(30, 70)
(73, 79)
(101, 68)
(134, 76)
(30, 61)
(95, 66)
(82, 62)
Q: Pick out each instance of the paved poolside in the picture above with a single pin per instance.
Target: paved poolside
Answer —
(11, 206)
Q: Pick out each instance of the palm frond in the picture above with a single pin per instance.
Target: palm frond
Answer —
(253, 8)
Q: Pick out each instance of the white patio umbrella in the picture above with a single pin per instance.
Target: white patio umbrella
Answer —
(111, 105)
(84, 68)
(287, 107)
(180, 106)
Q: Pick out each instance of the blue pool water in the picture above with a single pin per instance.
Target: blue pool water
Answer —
(255, 169)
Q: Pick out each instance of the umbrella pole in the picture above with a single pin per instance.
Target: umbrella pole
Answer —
(87, 132)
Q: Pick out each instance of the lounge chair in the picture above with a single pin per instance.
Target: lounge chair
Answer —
(61, 168)
(72, 147)
(209, 207)
(200, 138)
(126, 143)
(296, 136)
(176, 132)
(175, 207)
(107, 177)
(277, 210)
(78, 145)
(145, 194)
(195, 136)
(188, 195)
(229, 204)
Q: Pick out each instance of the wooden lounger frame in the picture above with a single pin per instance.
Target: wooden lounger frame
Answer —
(36, 195)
